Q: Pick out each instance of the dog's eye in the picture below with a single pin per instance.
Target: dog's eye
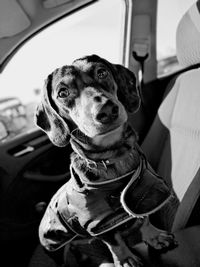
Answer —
(102, 73)
(63, 92)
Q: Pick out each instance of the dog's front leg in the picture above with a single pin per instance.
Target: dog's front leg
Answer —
(156, 238)
(122, 256)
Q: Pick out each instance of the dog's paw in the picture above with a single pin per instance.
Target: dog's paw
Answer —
(162, 241)
(156, 238)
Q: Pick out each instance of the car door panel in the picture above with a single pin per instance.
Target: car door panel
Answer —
(28, 181)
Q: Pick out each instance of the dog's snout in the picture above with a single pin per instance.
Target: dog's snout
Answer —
(108, 113)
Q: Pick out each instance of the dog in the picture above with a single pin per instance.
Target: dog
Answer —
(112, 189)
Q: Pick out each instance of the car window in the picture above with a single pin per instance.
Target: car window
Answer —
(168, 17)
(95, 29)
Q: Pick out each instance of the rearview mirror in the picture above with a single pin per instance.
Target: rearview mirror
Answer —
(3, 131)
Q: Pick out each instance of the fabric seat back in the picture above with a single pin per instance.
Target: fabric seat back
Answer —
(173, 142)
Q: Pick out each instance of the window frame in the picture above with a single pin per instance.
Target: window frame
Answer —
(124, 50)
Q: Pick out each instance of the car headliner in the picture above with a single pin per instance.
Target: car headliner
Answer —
(20, 21)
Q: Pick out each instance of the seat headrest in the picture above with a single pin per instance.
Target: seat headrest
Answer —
(188, 37)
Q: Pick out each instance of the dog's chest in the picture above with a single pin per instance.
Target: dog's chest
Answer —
(96, 190)
(98, 207)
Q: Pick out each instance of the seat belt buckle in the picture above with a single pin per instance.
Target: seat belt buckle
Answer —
(140, 51)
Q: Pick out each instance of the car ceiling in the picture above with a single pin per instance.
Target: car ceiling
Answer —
(20, 19)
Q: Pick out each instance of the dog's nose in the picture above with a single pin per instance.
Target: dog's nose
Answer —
(108, 113)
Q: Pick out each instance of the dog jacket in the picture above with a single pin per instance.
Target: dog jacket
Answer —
(89, 205)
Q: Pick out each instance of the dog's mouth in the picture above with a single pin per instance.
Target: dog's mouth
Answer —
(110, 136)
(104, 140)
(112, 124)
(111, 130)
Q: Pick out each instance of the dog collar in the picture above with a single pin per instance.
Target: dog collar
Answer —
(107, 166)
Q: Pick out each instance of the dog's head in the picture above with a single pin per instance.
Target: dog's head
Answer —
(91, 94)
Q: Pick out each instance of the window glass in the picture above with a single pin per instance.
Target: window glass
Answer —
(168, 17)
(96, 29)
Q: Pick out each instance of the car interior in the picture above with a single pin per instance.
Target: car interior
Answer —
(174, 132)
(32, 168)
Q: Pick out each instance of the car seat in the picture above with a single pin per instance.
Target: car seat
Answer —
(172, 144)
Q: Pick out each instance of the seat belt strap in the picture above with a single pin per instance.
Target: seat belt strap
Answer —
(187, 204)
(141, 41)
(140, 60)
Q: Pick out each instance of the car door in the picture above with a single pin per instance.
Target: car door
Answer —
(46, 34)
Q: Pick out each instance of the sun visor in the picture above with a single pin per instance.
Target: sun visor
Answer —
(13, 20)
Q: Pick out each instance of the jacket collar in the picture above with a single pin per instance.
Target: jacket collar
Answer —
(97, 166)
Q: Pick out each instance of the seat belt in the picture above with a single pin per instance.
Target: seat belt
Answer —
(187, 204)
(141, 45)
(140, 59)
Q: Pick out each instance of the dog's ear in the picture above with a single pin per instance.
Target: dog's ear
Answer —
(48, 119)
(127, 92)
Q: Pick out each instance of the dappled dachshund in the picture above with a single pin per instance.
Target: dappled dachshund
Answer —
(112, 189)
